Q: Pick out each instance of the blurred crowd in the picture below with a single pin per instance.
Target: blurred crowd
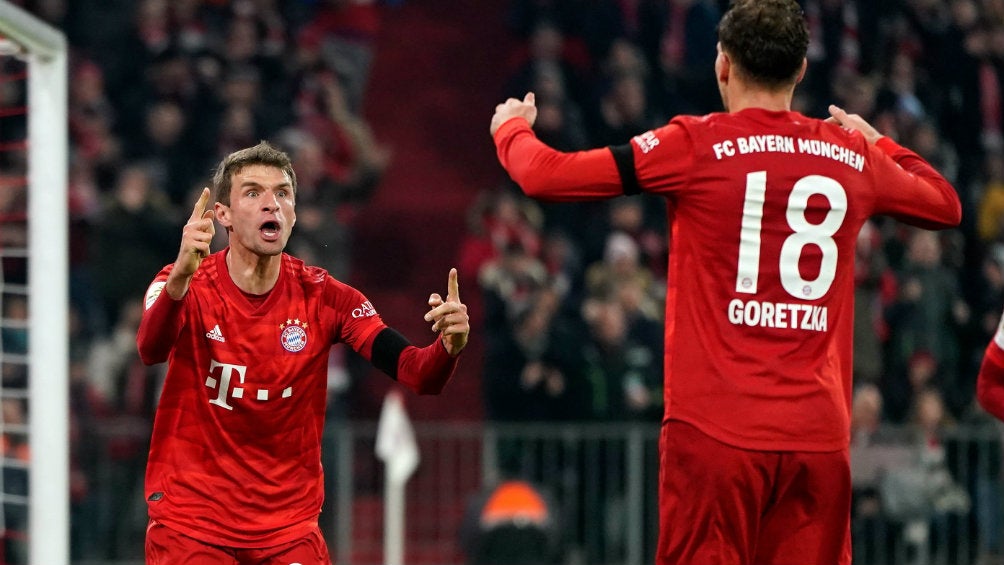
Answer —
(572, 294)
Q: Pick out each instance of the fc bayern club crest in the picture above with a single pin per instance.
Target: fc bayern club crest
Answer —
(294, 335)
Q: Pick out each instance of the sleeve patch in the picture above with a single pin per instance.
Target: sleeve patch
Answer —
(646, 141)
(153, 292)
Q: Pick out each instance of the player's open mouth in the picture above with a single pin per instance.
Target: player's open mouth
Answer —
(270, 231)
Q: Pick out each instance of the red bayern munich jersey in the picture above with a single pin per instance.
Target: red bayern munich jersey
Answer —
(235, 454)
(990, 380)
(766, 207)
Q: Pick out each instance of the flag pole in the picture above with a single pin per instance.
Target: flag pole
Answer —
(397, 448)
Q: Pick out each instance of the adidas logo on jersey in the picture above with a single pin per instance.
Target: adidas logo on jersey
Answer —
(216, 334)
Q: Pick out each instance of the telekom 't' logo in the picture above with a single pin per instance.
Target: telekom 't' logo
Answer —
(224, 390)
(225, 376)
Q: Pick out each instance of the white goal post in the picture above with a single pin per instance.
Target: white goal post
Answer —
(44, 48)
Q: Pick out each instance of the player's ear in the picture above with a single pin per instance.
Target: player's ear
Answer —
(801, 72)
(222, 213)
(722, 66)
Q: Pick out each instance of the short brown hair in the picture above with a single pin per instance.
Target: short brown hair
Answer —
(261, 154)
(767, 39)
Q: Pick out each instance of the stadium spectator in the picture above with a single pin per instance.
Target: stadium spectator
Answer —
(622, 371)
(514, 522)
(924, 495)
(549, 54)
(678, 38)
(533, 372)
(621, 280)
(324, 233)
(873, 280)
(354, 159)
(134, 228)
(346, 31)
(874, 451)
(990, 210)
(927, 315)
(623, 109)
(117, 403)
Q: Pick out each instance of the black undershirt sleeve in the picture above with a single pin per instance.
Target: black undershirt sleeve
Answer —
(387, 348)
(624, 158)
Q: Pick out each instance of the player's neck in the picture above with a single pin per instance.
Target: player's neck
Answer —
(741, 98)
(252, 273)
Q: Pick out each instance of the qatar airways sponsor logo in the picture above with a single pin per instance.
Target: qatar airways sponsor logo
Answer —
(365, 310)
(230, 386)
(754, 313)
(646, 141)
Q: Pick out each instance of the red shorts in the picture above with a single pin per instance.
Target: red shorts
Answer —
(722, 505)
(165, 546)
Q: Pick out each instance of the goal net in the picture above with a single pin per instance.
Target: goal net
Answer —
(34, 294)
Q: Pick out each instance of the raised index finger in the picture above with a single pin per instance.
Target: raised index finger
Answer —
(200, 206)
(452, 288)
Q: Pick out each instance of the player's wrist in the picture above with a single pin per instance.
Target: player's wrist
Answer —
(510, 123)
(449, 347)
(177, 285)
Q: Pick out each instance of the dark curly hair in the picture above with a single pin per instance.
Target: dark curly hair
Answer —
(767, 39)
(261, 154)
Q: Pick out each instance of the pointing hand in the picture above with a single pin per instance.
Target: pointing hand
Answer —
(196, 236)
(449, 317)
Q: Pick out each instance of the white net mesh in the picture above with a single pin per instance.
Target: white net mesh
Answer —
(34, 295)
(14, 303)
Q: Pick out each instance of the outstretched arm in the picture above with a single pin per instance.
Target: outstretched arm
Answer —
(543, 172)
(425, 370)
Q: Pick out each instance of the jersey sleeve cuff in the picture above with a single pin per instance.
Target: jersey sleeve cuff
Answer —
(508, 126)
(165, 305)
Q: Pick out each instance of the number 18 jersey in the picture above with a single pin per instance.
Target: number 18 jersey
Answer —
(766, 207)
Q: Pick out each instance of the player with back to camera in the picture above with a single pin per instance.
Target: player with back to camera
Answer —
(234, 474)
(765, 207)
(990, 380)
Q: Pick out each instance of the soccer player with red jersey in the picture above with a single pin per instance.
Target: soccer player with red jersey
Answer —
(234, 474)
(990, 380)
(765, 205)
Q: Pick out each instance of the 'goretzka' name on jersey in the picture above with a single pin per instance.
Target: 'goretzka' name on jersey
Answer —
(778, 315)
